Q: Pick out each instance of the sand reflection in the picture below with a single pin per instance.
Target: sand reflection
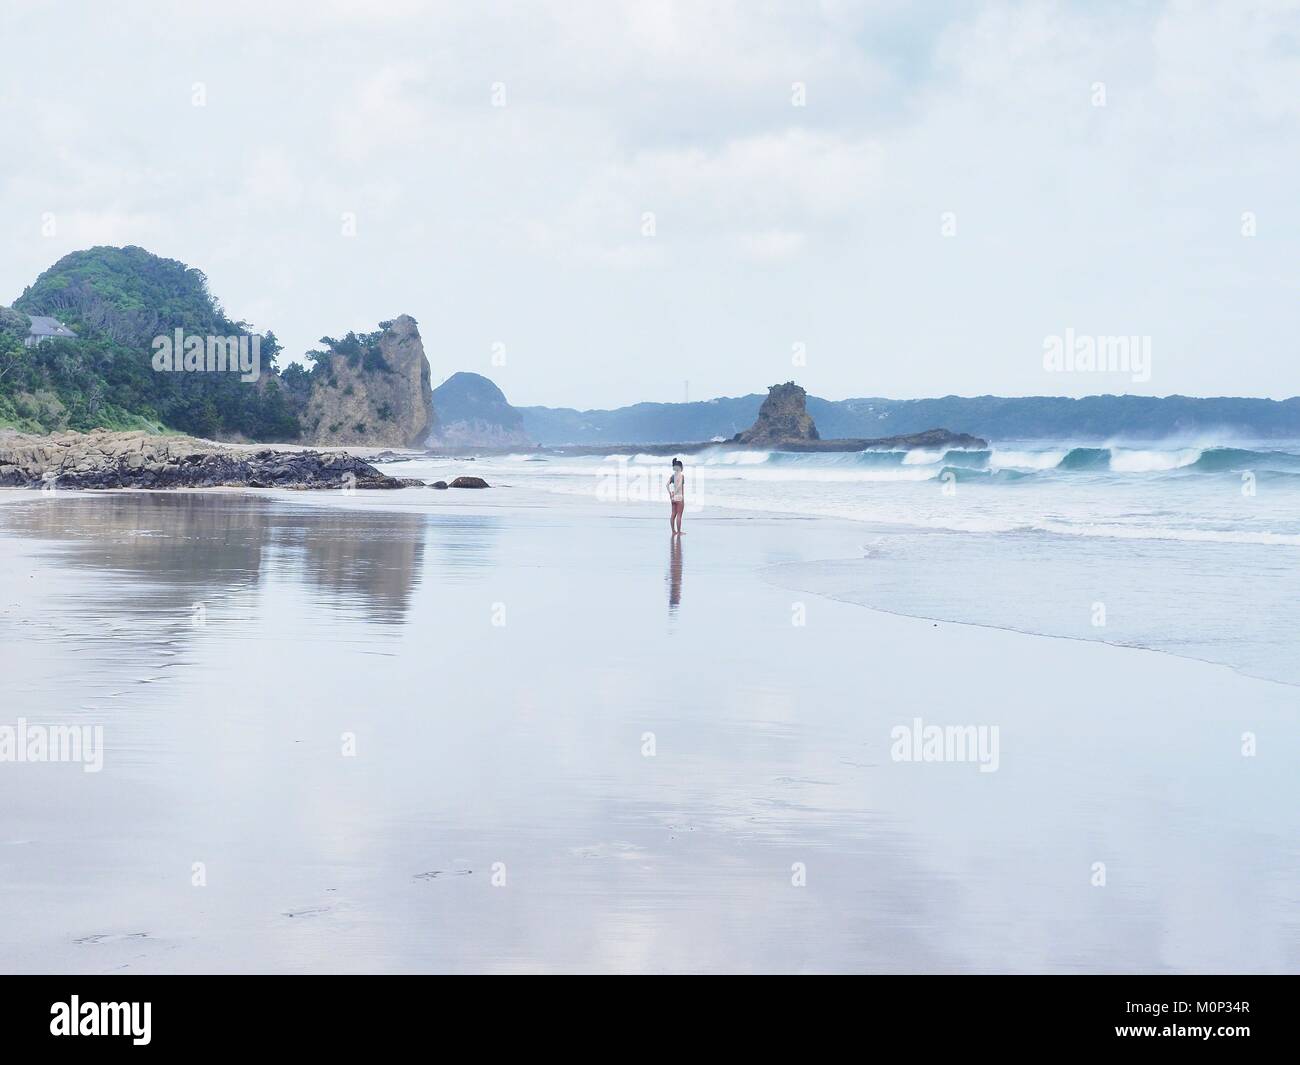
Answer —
(674, 574)
(190, 546)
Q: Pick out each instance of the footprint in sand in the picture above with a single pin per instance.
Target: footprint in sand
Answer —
(106, 937)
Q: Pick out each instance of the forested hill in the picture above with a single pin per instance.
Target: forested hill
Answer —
(117, 300)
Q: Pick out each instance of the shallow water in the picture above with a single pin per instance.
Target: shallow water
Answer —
(1233, 604)
(499, 667)
(1193, 550)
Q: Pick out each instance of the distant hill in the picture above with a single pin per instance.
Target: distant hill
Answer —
(650, 423)
(471, 411)
(1092, 418)
(118, 300)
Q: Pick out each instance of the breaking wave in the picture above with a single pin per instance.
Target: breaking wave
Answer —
(1012, 464)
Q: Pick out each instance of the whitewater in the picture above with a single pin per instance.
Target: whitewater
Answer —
(1234, 494)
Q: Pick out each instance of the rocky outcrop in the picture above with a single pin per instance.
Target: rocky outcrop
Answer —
(372, 389)
(102, 459)
(931, 439)
(468, 482)
(782, 419)
(473, 412)
(784, 422)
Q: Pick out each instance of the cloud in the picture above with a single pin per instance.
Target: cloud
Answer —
(771, 222)
(773, 244)
(767, 194)
(380, 111)
(271, 181)
(84, 228)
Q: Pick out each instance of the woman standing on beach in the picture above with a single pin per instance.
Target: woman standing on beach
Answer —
(677, 494)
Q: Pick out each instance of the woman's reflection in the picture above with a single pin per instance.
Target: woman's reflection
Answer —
(674, 573)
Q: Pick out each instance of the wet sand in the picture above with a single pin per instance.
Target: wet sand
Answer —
(497, 665)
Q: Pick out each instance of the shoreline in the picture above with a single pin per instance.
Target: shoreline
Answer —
(382, 500)
(470, 502)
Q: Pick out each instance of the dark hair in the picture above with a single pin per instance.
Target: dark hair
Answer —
(677, 462)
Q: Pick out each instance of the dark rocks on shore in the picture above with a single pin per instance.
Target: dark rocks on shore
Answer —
(138, 460)
(461, 482)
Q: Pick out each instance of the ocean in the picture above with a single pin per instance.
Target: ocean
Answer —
(1186, 547)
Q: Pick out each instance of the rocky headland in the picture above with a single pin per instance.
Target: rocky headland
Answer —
(102, 459)
(371, 389)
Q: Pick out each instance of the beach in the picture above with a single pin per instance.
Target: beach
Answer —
(517, 731)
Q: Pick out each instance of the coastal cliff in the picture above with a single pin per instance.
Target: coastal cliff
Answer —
(370, 389)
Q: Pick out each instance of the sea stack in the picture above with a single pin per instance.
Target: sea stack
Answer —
(782, 419)
(372, 390)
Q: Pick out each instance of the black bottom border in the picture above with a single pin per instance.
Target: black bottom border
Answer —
(333, 1013)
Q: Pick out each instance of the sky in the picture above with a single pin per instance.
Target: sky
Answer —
(600, 203)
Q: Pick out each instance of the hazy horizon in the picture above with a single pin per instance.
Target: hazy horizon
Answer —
(845, 399)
